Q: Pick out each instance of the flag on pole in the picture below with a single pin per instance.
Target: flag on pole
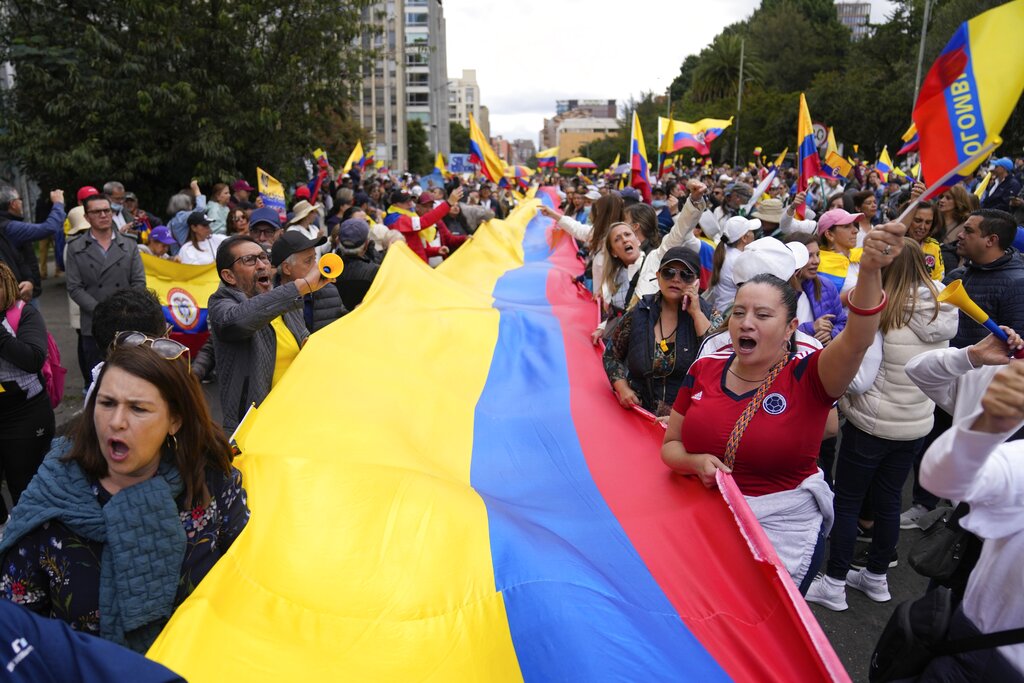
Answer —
(666, 140)
(480, 153)
(884, 163)
(970, 91)
(639, 176)
(698, 136)
(808, 163)
(911, 141)
(547, 158)
(979, 191)
(355, 158)
(779, 159)
(439, 164)
(834, 166)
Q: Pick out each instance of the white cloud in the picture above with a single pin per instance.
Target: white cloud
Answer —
(530, 53)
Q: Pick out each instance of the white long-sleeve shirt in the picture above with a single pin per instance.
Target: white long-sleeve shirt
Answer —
(979, 468)
(947, 377)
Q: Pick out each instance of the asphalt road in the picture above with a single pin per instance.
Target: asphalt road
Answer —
(852, 633)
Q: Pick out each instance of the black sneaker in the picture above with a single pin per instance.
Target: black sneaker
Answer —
(865, 533)
(860, 560)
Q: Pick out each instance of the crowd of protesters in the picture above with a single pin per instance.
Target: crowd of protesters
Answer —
(801, 355)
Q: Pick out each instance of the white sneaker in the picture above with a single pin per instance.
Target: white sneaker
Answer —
(874, 586)
(910, 518)
(827, 592)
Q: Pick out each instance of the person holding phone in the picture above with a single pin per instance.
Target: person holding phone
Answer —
(648, 353)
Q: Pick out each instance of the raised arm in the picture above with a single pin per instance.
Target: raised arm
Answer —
(841, 359)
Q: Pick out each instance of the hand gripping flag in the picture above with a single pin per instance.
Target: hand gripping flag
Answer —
(808, 164)
(970, 92)
(639, 175)
(480, 153)
(533, 533)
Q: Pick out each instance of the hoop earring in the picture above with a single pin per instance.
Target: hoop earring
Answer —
(172, 443)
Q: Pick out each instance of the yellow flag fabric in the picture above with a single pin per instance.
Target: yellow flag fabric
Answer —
(354, 158)
(439, 164)
(183, 290)
(979, 191)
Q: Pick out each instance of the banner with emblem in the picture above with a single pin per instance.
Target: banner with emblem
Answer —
(183, 291)
(271, 192)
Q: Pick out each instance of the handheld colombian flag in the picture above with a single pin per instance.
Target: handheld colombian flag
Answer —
(183, 291)
(911, 141)
(480, 153)
(355, 158)
(532, 534)
(547, 158)
(884, 163)
(808, 163)
(666, 139)
(979, 191)
(639, 175)
(779, 159)
(970, 92)
(834, 166)
(439, 165)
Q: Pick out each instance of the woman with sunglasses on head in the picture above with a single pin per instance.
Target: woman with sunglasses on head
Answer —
(648, 353)
(121, 524)
(26, 416)
(757, 410)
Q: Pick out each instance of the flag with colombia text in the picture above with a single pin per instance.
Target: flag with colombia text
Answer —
(970, 91)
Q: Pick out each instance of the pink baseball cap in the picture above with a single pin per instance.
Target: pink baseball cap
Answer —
(834, 217)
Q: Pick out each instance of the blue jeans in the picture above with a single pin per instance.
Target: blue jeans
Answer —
(868, 465)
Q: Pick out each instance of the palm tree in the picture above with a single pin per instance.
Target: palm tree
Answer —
(718, 72)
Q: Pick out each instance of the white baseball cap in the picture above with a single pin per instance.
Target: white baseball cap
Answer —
(738, 226)
(769, 255)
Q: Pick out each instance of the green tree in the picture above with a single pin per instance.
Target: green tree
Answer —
(718, 73)
(420, 160)
(155, 93)
(459, 138)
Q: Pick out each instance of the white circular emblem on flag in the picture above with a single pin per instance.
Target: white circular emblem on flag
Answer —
(183, 308)
(774, 404)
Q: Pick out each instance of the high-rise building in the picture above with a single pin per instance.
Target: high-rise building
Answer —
(600, 109)
(522, 150)
(464, 98)
(408, 81)
(426, 70)
(485, 121)
(855, 16)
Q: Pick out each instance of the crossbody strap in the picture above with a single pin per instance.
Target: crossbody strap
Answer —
(984, 641)
(733, 445)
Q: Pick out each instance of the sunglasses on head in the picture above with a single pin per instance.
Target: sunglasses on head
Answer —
(168, 349)
(685, 274)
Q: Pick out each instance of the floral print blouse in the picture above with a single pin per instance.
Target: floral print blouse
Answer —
(56, 573)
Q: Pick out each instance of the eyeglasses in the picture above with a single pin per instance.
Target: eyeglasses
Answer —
(101, 212)
(684, 274)
(250, 259)
(168, 349)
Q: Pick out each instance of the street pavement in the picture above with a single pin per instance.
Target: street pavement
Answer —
(852, 633)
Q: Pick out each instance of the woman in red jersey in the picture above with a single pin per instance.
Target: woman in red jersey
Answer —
(759, 413)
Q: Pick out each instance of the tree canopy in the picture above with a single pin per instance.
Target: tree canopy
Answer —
(155, 93)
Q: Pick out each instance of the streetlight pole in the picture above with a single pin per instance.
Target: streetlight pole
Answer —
(920, 51)
(739, 104)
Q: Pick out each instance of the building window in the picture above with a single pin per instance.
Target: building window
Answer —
(421, 116)
(415, 18)
(417, 99)
(416, 59)
(417, 78)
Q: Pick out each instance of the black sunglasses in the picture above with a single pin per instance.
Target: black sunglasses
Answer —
(685, 274)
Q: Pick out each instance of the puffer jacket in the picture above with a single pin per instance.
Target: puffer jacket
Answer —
(893, 407)
(829, 303)
(327, 307)
(998, 288)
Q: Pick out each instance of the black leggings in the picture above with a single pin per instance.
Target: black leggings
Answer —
(25, 434)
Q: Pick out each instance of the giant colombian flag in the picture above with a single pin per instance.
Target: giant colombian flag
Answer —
(969, 93)
(184, 291)
(489, 514)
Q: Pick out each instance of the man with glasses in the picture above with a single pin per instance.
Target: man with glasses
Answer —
(257, 329)
(99, 263)
(295, 257)
(265, 227)
(17, 236)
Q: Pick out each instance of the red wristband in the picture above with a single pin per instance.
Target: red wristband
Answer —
(867, 312)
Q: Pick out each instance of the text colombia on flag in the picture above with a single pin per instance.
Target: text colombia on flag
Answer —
(971, 90)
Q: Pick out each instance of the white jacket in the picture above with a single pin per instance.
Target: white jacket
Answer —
(978, 468)
(893, 407)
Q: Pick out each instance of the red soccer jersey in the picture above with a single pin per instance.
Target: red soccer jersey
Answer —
(780, 447)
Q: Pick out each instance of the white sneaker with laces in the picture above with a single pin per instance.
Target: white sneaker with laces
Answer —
(827, 592)
(874, 586)
(910, 518)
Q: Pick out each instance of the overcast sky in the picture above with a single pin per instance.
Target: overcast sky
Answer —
(525, 53)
